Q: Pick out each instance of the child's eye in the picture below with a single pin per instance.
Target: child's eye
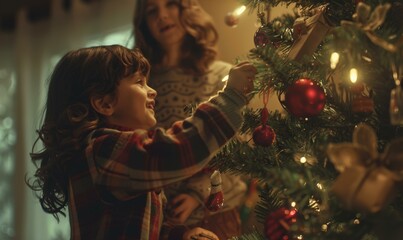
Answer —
(141, 82)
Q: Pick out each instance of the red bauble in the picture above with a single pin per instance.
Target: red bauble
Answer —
(261, 37)
(305, 98)
(279, 222)
(362, 104)
(264, 135)
(215, 201)
(357, 88)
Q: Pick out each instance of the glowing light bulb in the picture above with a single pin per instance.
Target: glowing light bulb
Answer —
(334, 60)
(293, 204)
(302, 159)
(353, 75)
(239, 10)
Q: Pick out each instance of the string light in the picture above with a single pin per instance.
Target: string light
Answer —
(305, 158)
(353, 75)
(314, 205)
(239, 10)
(334, 60)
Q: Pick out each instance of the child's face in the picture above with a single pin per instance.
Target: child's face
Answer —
(134, 106)
(162, 17)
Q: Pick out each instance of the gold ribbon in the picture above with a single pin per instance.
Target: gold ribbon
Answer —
(359, 162)
(369, 21)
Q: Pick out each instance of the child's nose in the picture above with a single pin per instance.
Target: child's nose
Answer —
(152, 93)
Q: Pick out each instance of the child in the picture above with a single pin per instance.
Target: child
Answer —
(99, 157)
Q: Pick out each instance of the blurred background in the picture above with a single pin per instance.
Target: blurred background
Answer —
(34, 34)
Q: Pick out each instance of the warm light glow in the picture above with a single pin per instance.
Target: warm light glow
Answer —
(225, 78)
(319, 186)
(239, 11)
(293, 204)
(356, 221)
(300, 237)
(324, 227)
(314, 204)
(334, 60)
(302, 159)
(353, 75)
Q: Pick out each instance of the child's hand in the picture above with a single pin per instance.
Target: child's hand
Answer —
(241, 78)
(182, 206)
(199, 234)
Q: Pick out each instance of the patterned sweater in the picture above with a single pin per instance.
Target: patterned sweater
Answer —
(176, 90)
(114, 188)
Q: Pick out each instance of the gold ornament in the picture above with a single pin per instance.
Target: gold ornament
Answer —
(368, 179)
(370, 21)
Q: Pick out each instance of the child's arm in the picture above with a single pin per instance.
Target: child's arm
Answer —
(126, 163)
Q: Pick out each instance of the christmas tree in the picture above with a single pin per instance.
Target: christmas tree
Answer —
(330, 165)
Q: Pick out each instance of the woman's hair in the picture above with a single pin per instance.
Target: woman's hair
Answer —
(200, 44)
(69, 116)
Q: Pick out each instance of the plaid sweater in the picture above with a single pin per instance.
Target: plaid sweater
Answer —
(114, 188)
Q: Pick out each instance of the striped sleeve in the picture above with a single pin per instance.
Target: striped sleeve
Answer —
(127, 163)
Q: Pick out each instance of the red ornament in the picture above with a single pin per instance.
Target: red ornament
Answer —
(362, 104)
(357, 88)
(215, 201)
(305, 98)
(279, 222)
(264, 135)
(261, 37)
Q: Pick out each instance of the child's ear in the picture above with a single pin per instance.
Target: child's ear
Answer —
(103, 105)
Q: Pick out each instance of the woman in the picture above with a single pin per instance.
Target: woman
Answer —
(180, 40)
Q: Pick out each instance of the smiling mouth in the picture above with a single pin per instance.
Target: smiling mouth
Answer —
(166, 28)
(150, 106)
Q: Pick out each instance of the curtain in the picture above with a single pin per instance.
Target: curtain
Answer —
(27, 57)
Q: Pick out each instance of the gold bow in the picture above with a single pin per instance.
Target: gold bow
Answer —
(367, 178)
(369, 21)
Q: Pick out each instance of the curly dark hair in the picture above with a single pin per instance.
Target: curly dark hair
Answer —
(69, 116)
(199, 48)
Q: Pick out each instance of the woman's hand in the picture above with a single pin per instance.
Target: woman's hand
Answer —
(199, 234)
(181, 207)
(241, 77)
